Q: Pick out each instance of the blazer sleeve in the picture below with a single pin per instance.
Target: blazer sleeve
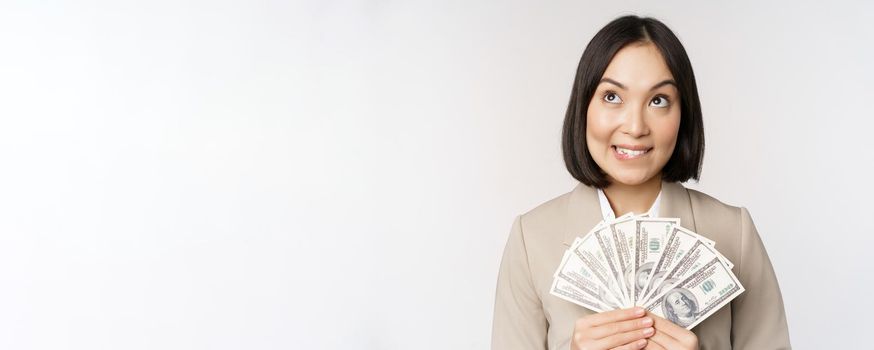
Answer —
(519, 321)
(758, 317)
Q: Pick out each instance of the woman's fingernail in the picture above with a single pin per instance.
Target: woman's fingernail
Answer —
(638, 311)
(647, 321)
(641, 343)
(648, 331)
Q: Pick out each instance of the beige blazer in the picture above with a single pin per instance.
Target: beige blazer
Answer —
(527, 317)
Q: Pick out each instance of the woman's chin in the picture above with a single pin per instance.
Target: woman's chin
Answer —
(630, 179)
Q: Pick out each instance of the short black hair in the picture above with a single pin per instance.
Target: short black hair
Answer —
(685, 162)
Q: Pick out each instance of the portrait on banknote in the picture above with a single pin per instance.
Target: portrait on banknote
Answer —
(680, 307)
(642, 276)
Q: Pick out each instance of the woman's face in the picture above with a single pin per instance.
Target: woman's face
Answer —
(634, 116)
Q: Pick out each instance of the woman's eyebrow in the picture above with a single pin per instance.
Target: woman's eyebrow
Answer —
(663, 83)
(656, 86)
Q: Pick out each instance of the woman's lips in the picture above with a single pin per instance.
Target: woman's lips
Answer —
(626, 152)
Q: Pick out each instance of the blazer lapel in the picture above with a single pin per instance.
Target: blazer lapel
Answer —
(675, 203)
(584, 209)
(584, 212)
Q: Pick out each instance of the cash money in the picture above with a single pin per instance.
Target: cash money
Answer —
(650, 235)
(569, 292)
(572, 271)
(596, 252)
(699, 254)
(650, 262)
(679, 242)
(697, 296)
(623, 237)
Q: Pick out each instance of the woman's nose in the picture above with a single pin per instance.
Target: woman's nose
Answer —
(635, 123)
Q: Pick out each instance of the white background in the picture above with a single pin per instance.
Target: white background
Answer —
(343, 175)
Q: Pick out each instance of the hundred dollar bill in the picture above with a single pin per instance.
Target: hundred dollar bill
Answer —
(678, 243)
(712, 244)
(698, 296)
(596, 251)
(607, 243)
(699, 254)
(569, 292)
(573, 272)
(623, 237)
(649, 235)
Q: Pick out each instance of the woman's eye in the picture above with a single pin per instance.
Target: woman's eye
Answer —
(612, 97)
(659, 101)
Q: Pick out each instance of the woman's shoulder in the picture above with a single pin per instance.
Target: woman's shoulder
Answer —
(712, 212)
(724, 223)
(546, 214)
(705, 203)
(554, 220)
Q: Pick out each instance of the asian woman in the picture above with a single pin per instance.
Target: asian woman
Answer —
(632, 134)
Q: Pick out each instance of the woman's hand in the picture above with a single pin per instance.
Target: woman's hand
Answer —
(625, 329)
(669, 336)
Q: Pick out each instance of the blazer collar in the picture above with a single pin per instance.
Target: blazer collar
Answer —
(584, 209)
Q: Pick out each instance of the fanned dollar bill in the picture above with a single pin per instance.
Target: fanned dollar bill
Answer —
(572, 271)
(677, 244)
(591, 251)
(650, 262)
(699, 254)
(608, 245)
(698, 296)
(624, 238)
(569, 292)
(650, 235)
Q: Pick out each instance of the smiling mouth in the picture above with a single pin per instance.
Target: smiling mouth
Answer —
(629, 153)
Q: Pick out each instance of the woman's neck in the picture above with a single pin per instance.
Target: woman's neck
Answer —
(633, 198)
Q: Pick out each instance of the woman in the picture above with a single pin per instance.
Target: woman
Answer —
(633, 132)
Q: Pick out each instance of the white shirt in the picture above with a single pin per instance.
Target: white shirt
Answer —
(608, 214)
